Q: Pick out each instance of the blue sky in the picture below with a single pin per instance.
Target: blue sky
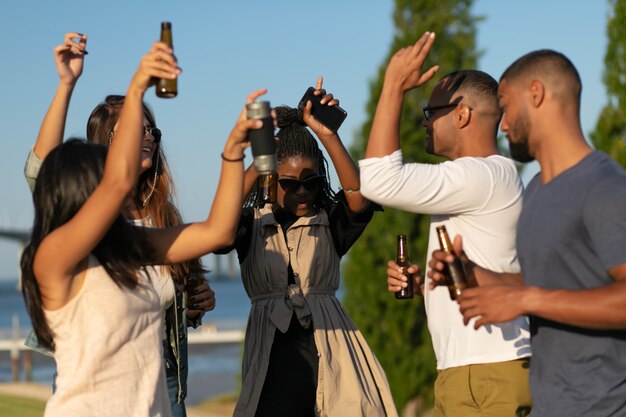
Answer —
(226, 50)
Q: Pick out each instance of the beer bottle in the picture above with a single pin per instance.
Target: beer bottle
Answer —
(167, 88)
(268, 186)
(454, 272)
(402, 259)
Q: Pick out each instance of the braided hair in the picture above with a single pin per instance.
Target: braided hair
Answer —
(294, 139)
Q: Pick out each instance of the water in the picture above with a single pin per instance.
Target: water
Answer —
(213, 369)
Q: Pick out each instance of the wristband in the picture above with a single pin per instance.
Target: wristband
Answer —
(233, 160)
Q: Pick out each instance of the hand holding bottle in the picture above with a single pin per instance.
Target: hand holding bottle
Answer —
(397, 279)
(159, 62)
(200, 298)
(238, 141)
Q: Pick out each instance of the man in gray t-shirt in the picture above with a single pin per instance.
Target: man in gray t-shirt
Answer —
(571, 241)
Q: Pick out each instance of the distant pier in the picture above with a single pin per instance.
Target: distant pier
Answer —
(21, 355)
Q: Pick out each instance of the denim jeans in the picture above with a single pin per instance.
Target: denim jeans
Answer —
(171, 377)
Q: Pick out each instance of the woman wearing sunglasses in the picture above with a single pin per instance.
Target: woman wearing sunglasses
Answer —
(303, 355)
(152, 206)
(88, 286)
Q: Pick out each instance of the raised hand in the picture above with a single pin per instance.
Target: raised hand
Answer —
(158, 63)
(318, 128)
(69, 57)
(405, 67)
(237, 141)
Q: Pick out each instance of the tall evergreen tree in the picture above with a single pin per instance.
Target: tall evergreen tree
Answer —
(396, 330)
(610, 132)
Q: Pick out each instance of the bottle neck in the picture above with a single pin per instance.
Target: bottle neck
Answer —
(402, 250)
(444, 239)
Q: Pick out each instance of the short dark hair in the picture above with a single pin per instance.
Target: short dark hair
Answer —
(474, 82)
(548, 66)
(477, 84)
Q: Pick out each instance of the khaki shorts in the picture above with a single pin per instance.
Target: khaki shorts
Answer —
(485, 390)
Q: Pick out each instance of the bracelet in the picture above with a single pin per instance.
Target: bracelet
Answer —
(233, 160)
(352, 190)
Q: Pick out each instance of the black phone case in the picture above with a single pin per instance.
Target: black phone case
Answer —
(330, 116)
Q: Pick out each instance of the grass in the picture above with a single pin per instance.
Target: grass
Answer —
(20, 407)
(221, 405)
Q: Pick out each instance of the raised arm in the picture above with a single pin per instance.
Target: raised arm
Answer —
(403, 73)
(177, 244)
(344, 165)
(69, 58)
(61, 251)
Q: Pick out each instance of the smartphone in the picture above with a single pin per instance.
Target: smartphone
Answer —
(330, 116)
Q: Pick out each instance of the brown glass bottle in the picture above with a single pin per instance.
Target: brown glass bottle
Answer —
(454, 272)
(402, 259)
(167, 88)
(268, 186)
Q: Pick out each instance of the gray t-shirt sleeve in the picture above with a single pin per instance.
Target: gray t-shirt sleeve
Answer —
(31, 169)
(605, 219)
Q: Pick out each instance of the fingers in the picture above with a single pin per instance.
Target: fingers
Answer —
(422, 47)
(470, 308)
(203, 299)
(306, 114)
(319, 82)
(159, 62)
(329, 100)
(255, 94)
(77, 46)
(428, 75)
(458, 245)
(251, 99)
(393, 285)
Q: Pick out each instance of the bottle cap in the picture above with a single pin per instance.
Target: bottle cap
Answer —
(259, 110)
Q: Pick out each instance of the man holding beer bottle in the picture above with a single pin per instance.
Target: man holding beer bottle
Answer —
(477, 194)
(571, 239)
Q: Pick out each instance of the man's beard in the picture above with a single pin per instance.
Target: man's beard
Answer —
(520, 152)
(520, 130)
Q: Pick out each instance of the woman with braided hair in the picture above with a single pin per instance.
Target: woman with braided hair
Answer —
(303, 355)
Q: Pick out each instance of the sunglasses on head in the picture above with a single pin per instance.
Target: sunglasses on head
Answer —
(309, 184)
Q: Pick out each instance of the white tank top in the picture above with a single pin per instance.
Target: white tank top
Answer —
(108, 351)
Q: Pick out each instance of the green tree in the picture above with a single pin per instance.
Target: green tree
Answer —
(396, 330)
(610, 132)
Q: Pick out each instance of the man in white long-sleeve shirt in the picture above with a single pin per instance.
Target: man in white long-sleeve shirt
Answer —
(476, 194)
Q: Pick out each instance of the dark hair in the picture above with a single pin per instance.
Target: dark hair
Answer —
(68, 176)
(294, 139)
(476, 83)
(155, 187)
(547, 65)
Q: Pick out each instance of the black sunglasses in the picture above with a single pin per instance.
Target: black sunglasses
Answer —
(309, 184)
(428, 110)
(155, 132)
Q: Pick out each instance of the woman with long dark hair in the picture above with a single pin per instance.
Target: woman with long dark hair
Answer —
(152, 205)
(87, 285)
